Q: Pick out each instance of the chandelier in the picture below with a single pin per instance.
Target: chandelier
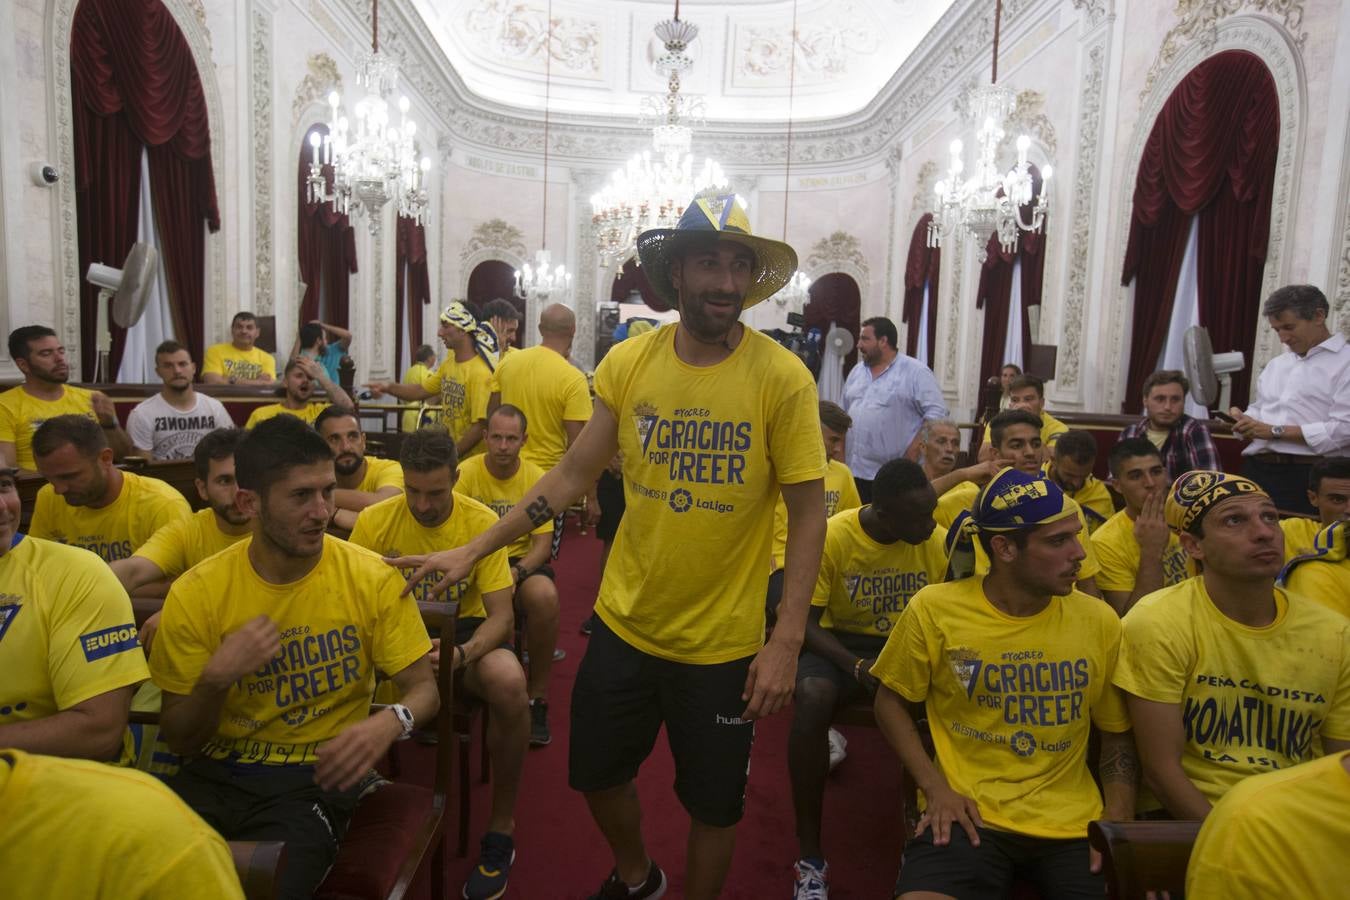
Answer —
(794, 295)
(990, 201)
(652, 188)
(369, 158)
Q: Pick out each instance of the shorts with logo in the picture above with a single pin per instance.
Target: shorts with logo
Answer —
(867, 646)
(621, 698)
(1058, 868)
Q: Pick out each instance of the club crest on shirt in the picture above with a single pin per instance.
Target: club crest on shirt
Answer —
(644, 420)
(966, 665)
(8, 612)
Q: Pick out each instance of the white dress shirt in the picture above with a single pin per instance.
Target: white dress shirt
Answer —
(887, 411)
(1311, 391)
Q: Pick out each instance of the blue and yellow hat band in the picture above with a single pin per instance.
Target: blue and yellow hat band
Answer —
(1195, 493)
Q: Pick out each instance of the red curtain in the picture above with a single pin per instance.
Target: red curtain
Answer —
(921, 271)
(327, 246)
(412, 283)
(491, 279)
(835, 298)
(631, 278)
(1211, 153)
(995, 291)
(134, 89)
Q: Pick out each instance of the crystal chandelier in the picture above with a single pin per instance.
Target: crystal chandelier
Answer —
(372, 159)
(652, 188)
(794, 295)
(990, 201)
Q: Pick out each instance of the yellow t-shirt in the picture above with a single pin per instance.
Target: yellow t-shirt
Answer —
(415, 374)
(462, 389)
(864, 586)
(1251, 699)
(957, 500)
(143, 506)
(182, 544)
(1094, 499)
(499, 496)
(339, 624)
(1298, 536)
(307, 413)
(381, 473)
(21, 413)
(1010, 700)
(225, 359)
(1323, 574)
(74, 828)
(390, 530)
(841, 493)
(549, 390)
(1117, 552)
(705, 450)
(66, 634)
(1282, 834)
(1051, 429)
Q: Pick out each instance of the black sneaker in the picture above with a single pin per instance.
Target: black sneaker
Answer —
(615, 889)
(487, 881)
(539, 736)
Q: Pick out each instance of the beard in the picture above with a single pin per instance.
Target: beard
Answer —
(230, 513)
(348, 464)
(703, 325)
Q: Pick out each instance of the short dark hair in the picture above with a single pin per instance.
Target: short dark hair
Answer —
(243, 317)
(1328, 467)
(1129, 448)
(310, 332)
(169, 346)
(427, 449)
(897, 477)
(20, 337)
(424, 352)
(1077, 445)
(1008, 418)
(1304, 300)
(292, 363)
(833, 417)
(335, 412)
(1028, 381)
(273, 447)
(1014, 366)
(1018, 536)
(500, 309)
(216, 444)
(882, 327)
(507, 409)
(82, 432)
(1166, 376)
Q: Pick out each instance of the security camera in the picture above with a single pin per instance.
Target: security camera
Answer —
(44, 174)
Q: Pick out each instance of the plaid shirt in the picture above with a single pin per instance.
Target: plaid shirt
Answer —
(1188, 445)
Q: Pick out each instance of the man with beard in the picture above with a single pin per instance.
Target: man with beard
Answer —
(1072, 459)
(1185, 443)
(939, 443)
(89, 502)
(298, 381)
(889, 395)
(504, 319)
(713, 419)
(169, 424)
(44, 394)
(238, 361)
(361, 480)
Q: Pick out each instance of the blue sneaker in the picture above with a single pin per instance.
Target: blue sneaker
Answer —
(487, 881)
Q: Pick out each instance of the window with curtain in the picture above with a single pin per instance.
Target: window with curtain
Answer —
(1010, 284)
(326, 243)
(921, 294)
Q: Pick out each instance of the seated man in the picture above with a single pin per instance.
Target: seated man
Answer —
(298, 380)
(939, 443)
(238, 361)
(87, 501)
(1138, 553)
(362, 480)
(267, 655)
(876, 558)
(1329, 494)
(1027, 392)
(429, 516)
(1323, 575)
(1184, 443)
(325, 344)
(1227, 675)
(169, 424)
(1072, 459)
(69, 657)
(499, 479)
(1014, 661)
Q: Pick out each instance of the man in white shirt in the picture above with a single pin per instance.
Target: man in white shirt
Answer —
(889, 396)
(169, 424)
(1301, 410)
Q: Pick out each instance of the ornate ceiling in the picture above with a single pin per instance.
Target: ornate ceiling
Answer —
(601, 52)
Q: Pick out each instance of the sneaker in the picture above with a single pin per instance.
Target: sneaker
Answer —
(539, 736)
(615, 889)
(813, 881)
(586, 624)
(487, 881)
(838, 748)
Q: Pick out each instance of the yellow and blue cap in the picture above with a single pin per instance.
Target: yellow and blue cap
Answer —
(1011, 501)
(484, 338)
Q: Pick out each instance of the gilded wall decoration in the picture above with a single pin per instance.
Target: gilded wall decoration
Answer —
(520, 33)
(322, 78)
(840, 252)
(260, 42)
(493, 235)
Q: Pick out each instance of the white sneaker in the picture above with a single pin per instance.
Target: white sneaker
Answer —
(811, 883)
(838, 748)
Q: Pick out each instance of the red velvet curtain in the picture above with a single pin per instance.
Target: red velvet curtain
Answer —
(995, 291)
(631, 278)
(835, 298)
(490, 280)
(326, 243)
(135, 89)
(1211, 153)
(412, 283)
(921, 271)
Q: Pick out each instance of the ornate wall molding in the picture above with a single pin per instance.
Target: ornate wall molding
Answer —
(1095, 11)
(954, 266)
(322, 78)
(260, 44)
(840, 252)
(586, 182)
(377, 300)
(493, 239)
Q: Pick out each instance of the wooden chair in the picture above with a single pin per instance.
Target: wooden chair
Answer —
(1139, 857)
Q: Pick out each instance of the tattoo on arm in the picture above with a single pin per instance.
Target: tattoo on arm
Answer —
(539, 511)
(1119, 761)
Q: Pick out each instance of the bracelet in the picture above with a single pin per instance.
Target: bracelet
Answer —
(463, 656)
(857, 668)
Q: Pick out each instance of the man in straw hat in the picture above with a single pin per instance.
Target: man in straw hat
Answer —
(1013, 669)
(1225, 674)
(713, 420)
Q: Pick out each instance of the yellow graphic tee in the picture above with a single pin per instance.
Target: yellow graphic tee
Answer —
(462, 390)
(1323, 576)
(549, 390)
(143, 506)
(381, 473)
(957, 500)
(307, 413)
(1298, 536)
(1252, 700)
(1093, 498)
(1282, 834)
(705, 450)
(1117, 553)
(841, 493)
(499, 496)
(339, 625)
(389, 529)
(57, 840)
(225, 359)
(21, 413)
(1011, 700)
(863, 585)
(182, 544)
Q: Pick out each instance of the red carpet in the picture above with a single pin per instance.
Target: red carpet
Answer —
(561, 855)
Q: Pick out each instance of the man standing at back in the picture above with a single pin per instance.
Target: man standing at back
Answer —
(238, 361)
(1184, 443)
(325, 344)
(713, 419)
(169, 424)
(889, 396)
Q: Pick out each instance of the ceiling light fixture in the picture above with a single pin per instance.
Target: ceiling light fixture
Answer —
(794, 295)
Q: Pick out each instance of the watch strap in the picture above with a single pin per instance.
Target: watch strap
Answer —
(405, 718)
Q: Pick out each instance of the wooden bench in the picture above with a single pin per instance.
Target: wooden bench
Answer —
(1143, 857)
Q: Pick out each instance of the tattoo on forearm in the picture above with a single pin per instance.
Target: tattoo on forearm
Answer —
(539, 511)
(1119, 761)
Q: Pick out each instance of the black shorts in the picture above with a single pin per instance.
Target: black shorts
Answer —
(543, 569)
(609, 490)
(1058, 868)
(621, 698)
(867, 646)
(465, 628)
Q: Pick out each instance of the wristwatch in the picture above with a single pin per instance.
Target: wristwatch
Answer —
(1277, 431)
(405, 718)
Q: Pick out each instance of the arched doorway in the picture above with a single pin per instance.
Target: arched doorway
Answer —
(493, 279)
(835, 298)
